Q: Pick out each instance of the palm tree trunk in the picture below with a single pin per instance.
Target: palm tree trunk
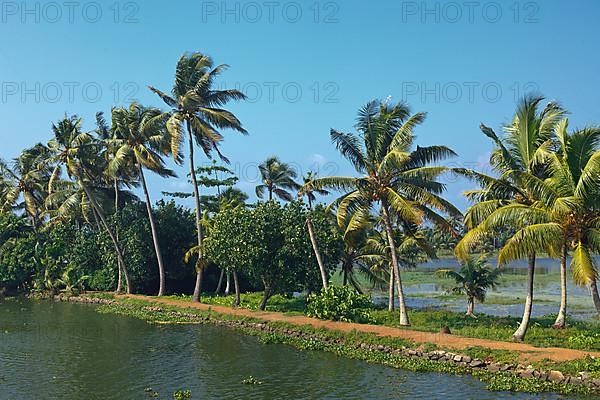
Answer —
(390, 237)
(560, 322)
(594, 290)
(471, 307)
(113, 238)
(313, 240)
(159, 259)
(519, 334)
(236, 284)
(119, 266)
(198, 285)
(391, 290)
(220, 282)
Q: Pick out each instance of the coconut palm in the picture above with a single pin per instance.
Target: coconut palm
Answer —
(277, 178)
(79, 154)
(310, 196)
(141, 137)
(196, 116)
(24, 185)
(119, 179)
(351, 264)
(519, 159)
(410, 251)
(394, 176)
(566, 216)
(473, 279)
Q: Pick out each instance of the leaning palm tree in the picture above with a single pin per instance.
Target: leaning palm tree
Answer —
(518, 158)
(473, 279)
(277, 178)
(124, 177)
(310, 196)
(25, 183)
(394, 175)
(80, 155)
(196, 116)
(141, 137)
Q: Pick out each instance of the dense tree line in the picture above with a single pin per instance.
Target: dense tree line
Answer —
(70, 220)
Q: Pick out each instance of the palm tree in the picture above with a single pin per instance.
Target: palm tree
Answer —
(473, 279)
(350, 260)
(400, 180)
(196, 115)
(125, 176)
(144, 138)
(25, 184)
(377, 258)
(79, 153)
(310, 196)
(518, 158)
(277, 178)
(566, 216)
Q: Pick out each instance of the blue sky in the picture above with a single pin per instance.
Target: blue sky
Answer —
(307, 67)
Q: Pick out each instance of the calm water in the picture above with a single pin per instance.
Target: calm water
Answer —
(70, 352)
(546, 293)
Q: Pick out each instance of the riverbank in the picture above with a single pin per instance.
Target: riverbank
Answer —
(535, 370)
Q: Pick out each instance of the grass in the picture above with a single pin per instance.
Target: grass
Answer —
(251, 301)
(540, 331)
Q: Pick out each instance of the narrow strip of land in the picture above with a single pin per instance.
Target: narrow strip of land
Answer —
(529, 353)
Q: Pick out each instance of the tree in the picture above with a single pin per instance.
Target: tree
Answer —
(473, 279)
(272, 247)
(196, 114)
(277, 178)
(25, 184)
(310, 196)
(78, 152)
(518, 158)
(141, 139)
(565, 216)
(377, 260)
(123, 176)
(229, 243)
(396, 177)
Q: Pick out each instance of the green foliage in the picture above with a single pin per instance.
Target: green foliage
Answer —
(182, 395)
(251, 381)
(585, 341)
(251, 301)
(474, 278)
(271, 246)
(339, 303)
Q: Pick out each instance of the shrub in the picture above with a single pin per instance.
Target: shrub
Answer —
(339, 303)
(585, 341)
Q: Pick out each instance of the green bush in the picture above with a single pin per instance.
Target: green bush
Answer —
(584, 341)
(339, 303)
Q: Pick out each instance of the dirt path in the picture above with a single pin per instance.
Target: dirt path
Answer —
(529, 353)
